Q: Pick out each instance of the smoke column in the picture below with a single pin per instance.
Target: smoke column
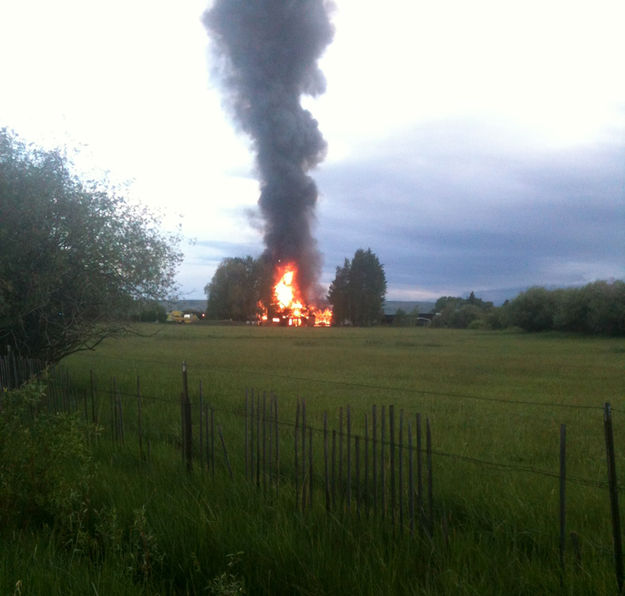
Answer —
(268, 52)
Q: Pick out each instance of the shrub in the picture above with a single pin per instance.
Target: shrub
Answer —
(534, 309)
(45, 462)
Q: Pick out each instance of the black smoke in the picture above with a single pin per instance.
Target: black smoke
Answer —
(267, 54)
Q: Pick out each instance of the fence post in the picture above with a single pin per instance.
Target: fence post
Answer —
(263, 467)
(326, 475)
(139, 422)
(357, 470)
(310, 467)
(212, 433)
(269, 442)
(118, 398)
(428, 448)
(296, 454)
(401, 469)
(613, 488)
(86, 408)
(112, 394)
(340, 481)
(92, 392)
(252, 437)
(12, 361)
(277, 433)
(391, 432)
(201, 427)
(246, 434)
(210, 463)
(223, 446)
(349, 457)
(410, 481)
(258, 439)
(562, 498)
(187, 445)
(382, 462)
(304, 475)
(419, 471)
(374, 461)
(333, 469)
(366, 462)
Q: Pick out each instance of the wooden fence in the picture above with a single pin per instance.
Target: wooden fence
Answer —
(384, 472)
(14, 371)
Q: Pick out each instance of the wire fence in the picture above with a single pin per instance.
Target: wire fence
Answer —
(379, 463)
(62, 383)
(15, 371)
(264, 373)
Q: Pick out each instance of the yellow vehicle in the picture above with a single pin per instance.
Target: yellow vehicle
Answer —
(175, 316)
(178, 316)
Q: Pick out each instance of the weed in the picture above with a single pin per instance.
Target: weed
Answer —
(228, 583)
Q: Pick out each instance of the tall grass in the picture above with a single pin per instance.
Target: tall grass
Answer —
(495, 402)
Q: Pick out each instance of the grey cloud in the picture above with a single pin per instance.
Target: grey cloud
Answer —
(459, 207)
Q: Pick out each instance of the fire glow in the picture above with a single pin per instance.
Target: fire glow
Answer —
(288, 308)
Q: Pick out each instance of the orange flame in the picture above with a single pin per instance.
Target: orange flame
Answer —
(289, 305)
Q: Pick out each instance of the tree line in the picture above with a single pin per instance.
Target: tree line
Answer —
(596, 308)
(358, 291)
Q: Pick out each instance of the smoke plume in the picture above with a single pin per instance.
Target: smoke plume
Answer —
(268, 52)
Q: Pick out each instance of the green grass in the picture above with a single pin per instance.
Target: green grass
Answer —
(495, 398)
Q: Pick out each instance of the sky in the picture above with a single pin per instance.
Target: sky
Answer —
(472, 146)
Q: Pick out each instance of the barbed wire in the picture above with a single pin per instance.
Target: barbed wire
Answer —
(296, 426)
(386, 443)
(408, 390)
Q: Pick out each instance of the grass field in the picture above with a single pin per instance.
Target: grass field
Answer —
(495, 402)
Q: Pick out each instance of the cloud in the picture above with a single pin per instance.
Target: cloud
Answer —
(455, 206)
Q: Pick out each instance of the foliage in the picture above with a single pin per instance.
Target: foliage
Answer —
(228, 583)
(45, 461)
(143, 553)
(402, 318)
(358, 290)
(233, 291)
(150, 311)
(533, 310)
(339, 295)
(596, 308)
(461, 313)
(75, 256)
(47, 482)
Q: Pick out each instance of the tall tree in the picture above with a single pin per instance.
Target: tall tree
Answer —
(338, 295)
(75, 257)
(358, 290)
(233, 292)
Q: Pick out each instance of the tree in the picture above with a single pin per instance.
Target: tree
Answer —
(534, 309)
(234, 291)
(338, 295)
(461, 313)
(75, 257)
(358, 290)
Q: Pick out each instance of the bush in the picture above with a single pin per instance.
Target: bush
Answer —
(596, 308)
(533, 310)
(75, 255)
(45, 462)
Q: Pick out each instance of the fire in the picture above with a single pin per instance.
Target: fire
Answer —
(287, 293)
(288, 305)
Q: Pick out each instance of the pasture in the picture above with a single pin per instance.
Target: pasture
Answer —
(495, 403)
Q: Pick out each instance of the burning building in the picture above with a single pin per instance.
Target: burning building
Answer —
(287, 307)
